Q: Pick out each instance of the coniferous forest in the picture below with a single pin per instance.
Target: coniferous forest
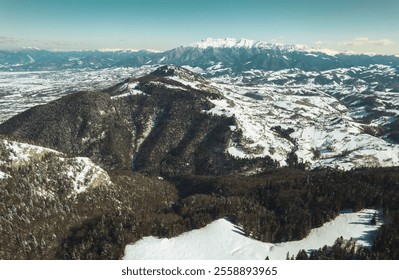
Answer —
(274, 206)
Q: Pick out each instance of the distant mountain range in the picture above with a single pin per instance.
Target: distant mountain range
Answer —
(234, 55)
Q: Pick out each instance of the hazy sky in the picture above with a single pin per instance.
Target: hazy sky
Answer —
(352, 25)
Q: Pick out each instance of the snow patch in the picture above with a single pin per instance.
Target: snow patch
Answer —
(3, 175)
(81, 171)
(129, 89)
(85, 174)
(21, 152)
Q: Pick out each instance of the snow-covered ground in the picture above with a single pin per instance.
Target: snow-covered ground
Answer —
(316, 124)
(20, 91)
(84, 174)
(3, 175)
(20, 153)
(223, 240)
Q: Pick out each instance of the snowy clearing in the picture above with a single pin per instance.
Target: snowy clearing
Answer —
(224, 240)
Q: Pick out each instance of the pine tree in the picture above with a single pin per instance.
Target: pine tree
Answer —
(373, 221)
(302, 255)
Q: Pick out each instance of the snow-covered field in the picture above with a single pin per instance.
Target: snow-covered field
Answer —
(20, 91)
(224, 240)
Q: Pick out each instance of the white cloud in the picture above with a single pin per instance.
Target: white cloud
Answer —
(364, 41)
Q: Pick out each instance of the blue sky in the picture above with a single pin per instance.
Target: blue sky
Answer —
(352, 25)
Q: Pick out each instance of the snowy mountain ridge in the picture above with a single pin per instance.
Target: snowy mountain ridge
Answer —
(77, 173)
(231, 43)
(248, 44)
(237, 54)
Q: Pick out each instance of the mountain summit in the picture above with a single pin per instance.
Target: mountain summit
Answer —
(244, 43)
(230, 43)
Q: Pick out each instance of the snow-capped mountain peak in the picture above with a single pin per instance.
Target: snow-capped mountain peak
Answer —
(225, 43)
(244, 43)
(233, 43)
